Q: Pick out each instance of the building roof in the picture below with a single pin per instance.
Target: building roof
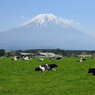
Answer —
(48, 54)
(25, 53)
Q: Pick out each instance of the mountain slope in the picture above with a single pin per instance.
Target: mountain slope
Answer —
(45, 31)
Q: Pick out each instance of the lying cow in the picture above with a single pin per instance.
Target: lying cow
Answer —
(81, 60)
(47, 67)
(51, 58)
(18, 57)
(58, 58)
(40, 59)
(27, 58)
(15, 58)
(92, 70)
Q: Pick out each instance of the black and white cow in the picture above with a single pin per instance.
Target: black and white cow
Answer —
(84, 59)
(27, 58)
(92, 70)
(15, 58)
(81, 60)
(58, 58)
(51, 58)
(47, 67)
(40, 59)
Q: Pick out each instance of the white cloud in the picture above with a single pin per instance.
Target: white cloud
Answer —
(69, 22)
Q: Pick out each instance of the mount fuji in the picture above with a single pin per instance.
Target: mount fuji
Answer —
(46, 31)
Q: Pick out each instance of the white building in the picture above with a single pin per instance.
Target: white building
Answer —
(83, 55)
(47, 54)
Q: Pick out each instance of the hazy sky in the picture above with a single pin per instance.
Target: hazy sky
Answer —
(15, 12)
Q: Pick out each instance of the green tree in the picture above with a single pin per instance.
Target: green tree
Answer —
(2, 52)
(40, 51)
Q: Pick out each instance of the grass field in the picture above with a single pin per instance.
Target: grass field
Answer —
(70, 78)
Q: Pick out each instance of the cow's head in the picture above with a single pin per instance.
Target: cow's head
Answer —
(53, 65)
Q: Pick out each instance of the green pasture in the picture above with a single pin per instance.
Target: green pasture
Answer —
(70, 78)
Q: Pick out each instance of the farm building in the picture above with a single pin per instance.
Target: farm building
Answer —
(83, 55)
(42, 54)
(25, 54)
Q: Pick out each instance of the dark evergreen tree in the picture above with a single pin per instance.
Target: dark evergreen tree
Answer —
(2, 52)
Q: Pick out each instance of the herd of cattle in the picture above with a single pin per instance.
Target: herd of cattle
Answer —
(30, 57)
(49, 67)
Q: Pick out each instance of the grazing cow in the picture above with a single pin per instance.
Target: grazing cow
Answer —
(59, 58)
(47, 67)
(81, 60)
(40, 59)
(92, 70)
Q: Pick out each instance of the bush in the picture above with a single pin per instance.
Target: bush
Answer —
(2, 52)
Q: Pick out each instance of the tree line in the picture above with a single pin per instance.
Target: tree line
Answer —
(65, 53)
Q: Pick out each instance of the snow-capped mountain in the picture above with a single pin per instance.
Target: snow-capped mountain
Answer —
(46, 31)
(45, 19)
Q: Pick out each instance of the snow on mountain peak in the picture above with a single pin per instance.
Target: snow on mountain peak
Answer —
(45, 19)
(42, 19)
